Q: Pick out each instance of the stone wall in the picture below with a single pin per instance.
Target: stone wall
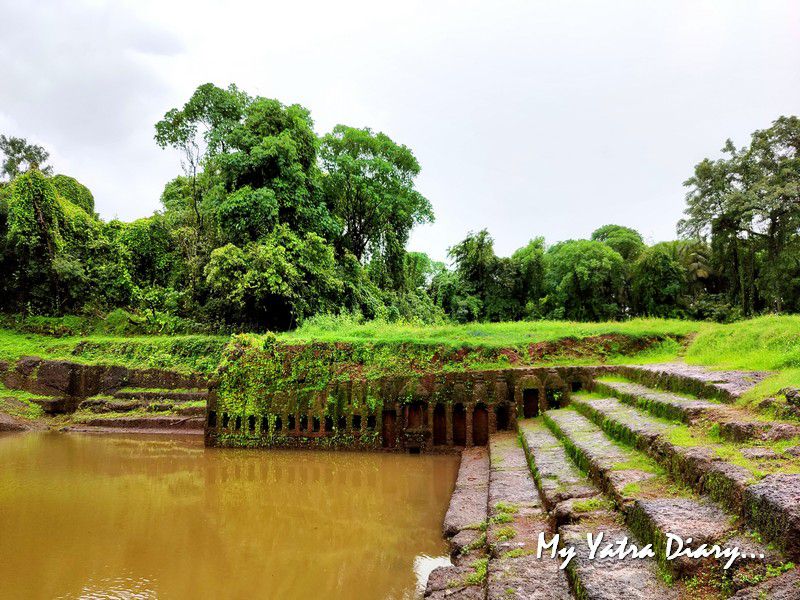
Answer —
(435, 412)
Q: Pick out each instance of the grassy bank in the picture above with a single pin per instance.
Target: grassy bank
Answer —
(770, 343)
(184, 353)
(487, 335)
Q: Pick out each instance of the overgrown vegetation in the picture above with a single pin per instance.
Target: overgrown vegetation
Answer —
(270, 225)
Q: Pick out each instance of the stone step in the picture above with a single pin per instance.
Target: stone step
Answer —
(516, 520)
(660, 403)
(559, 480)
(465, 520)
(702, 382)
(782, 587)
(618, 470)
(464, 528)
(578, 508)
(611, 578)
(151, 395)
(112, 405)
(735, 424)
(771, 506)
(656, 509)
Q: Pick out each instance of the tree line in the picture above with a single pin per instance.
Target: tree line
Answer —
(268, 224)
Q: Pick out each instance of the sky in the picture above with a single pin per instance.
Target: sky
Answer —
(528, 118)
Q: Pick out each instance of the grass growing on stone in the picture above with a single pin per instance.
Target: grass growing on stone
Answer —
(490, 335)
(18, 403)
(183, 353)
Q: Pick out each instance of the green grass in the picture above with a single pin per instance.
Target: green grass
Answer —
(765, 343)
(18, 403)
(489, 335)
(185, 353)
(770, 343)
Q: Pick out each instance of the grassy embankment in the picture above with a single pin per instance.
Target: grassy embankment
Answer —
(765, 343)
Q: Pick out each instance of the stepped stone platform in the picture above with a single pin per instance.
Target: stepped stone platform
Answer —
(638, 466)
(517, 518)
(735, 424)
(700, 381)
(578, 508)
(771, 506)
(464, 528)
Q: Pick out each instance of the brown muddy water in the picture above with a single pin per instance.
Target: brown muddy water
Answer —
(85, 516)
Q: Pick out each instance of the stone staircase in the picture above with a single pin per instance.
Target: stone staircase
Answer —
(171, 409)
(642, 458)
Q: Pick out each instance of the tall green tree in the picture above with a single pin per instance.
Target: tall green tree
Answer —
(584, 280)
(658, 282)
(628, 242)
(369, 184)
(748, 204)
(20, 156)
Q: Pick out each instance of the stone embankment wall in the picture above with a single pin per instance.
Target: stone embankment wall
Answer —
(65, 378)
(413, 413)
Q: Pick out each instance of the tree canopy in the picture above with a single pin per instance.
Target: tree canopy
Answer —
(266, 224)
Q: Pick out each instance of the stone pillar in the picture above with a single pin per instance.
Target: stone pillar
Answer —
(448, 415)
(469, 408)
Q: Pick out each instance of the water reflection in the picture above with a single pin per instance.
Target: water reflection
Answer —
(113, 517)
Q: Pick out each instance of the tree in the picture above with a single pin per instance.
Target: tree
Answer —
(275, 282)
(628, 242)
(475, 265)
(20, 157)
(33, 236)
(199, 129)
(658, 282)
(748, 204)
(71, 189)
(528, 284)
(369, 185)
(583, 280)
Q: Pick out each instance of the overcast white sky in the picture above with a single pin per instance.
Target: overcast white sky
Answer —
(528, 118)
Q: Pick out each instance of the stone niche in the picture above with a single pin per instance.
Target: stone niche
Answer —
(435, 412)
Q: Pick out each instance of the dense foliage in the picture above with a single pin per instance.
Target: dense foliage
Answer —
(269, 224)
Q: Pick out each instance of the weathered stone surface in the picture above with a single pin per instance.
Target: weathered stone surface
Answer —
(102, 405)
(611, 578)
(450, 577)
(464, 539)
(469, 499)
(576, 509)
(700, 520)
(701, 381)
(741, 429)
(605, 459)
(527, 578)
(697, 467)
(177, 395)
(514, 487)
(640, 429)
(556, 475)
(65, 378)
(517, 520)
(661, 403)
(505, 452)
(783, 587)
(10, 424)
(759, 453)
(773, 505)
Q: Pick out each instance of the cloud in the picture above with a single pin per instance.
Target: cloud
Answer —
(76, 79)
(528, 117)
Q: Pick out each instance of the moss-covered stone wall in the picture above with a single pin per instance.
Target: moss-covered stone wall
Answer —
(370, 396)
